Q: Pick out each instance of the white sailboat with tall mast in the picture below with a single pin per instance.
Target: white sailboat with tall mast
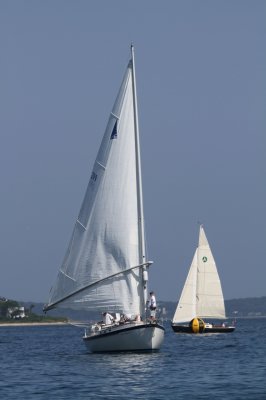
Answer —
(202, 295)
(105, 266)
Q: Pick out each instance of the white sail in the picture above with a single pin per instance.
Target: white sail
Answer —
(98, 269)
(209, 291)
(202, 293)
(186, 308)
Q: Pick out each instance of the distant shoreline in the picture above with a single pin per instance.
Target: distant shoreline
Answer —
(32, 323)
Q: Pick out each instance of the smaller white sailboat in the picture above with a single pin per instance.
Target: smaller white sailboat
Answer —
(105, 267)
(202, 295)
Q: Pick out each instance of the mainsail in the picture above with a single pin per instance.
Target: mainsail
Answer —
(202, 293)
(104, 262)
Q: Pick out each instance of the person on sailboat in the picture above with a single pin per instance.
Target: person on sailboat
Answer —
(108, 319)
(152, 306)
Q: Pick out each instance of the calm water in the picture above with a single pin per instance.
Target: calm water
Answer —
(52, 363)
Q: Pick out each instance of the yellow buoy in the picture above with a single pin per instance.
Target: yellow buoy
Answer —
(197, 325)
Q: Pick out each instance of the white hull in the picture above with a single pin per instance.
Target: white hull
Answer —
(128, 337)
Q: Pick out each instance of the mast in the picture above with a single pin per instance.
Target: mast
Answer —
(142, 259)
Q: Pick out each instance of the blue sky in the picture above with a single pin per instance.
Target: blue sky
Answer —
(201, 86)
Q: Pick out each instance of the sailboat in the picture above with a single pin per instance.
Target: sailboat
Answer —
(202, 295)
(105, 268)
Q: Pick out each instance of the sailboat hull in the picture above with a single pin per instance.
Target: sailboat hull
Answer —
(212, 329)
(128, 337)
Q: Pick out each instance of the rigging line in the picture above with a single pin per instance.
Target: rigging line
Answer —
(50, 306)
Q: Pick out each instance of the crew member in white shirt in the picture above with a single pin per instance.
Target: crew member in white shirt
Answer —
(107, 318)
(152, 305)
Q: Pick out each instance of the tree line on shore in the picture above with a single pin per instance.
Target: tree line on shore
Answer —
(14, 311)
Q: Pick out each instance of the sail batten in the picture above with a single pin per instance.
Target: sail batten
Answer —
(81, 225)
(101, 165)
